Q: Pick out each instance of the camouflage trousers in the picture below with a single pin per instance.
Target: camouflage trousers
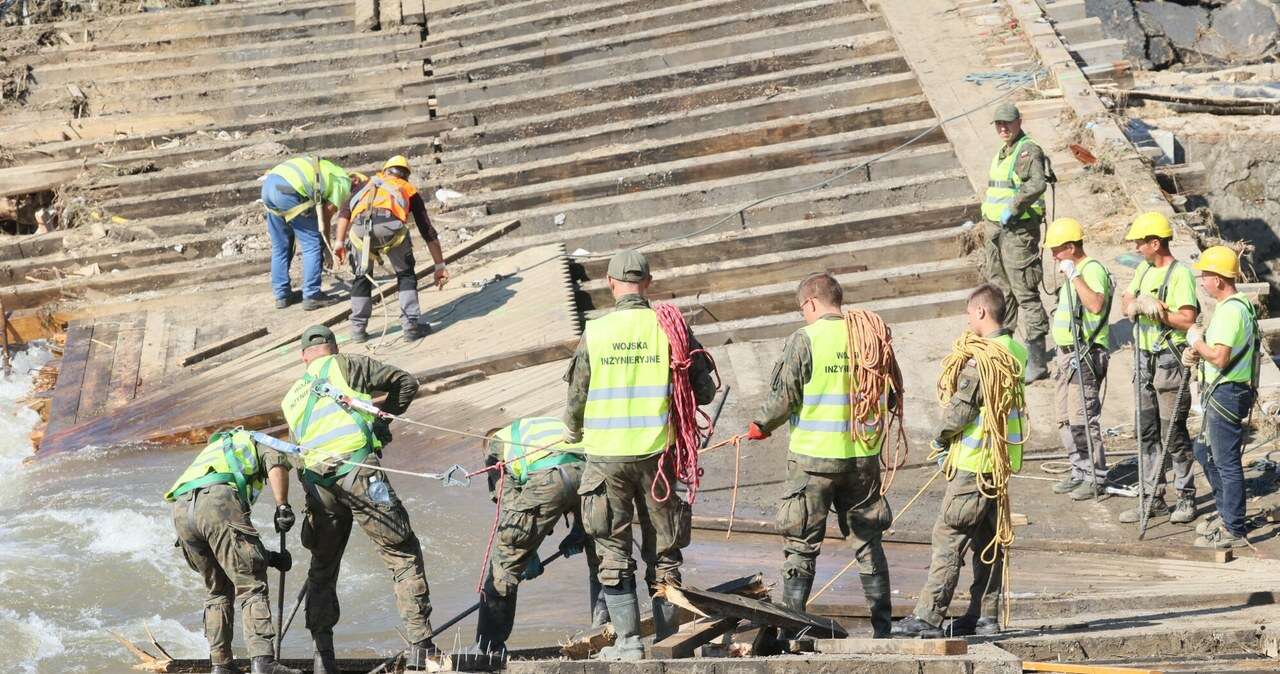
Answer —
(365, 496)
(1075, 434)
(1011, 262)
(615, 494)
(220, 543)
(1158, 380)
(529, 514)
(855, 498)
(966, 524)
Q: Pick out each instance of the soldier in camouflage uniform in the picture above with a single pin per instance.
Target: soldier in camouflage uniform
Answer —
(211, 502)
(828, 468)
(339, 494)
(540, 486)
(1012, 211)
(619, 382)
(967, 520)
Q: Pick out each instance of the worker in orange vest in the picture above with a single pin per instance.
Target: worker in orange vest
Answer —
(376, 220)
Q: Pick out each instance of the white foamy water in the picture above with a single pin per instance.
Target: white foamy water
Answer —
(16, 421)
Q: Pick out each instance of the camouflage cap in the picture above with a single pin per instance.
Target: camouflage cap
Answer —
(1006, 112)
(629, 265)
(317, 335)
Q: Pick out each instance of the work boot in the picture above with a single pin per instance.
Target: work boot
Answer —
(228, 668)
(324, 661)
(288, 300)
(497, 617)
(416, 331)
(795, 595)
(1221, 539)
(912, 627)
(1086, 491)
(1184, 510)
(1067, 484)
(986, 627)
(968, 625)
(420, 653)
(359, 335)
(318, 301)
(1156, 508)
(624, 615)
(1037, 361)
(600, 612)
(1210, 523)
(876, 589)
(665, 620)
(265, 664)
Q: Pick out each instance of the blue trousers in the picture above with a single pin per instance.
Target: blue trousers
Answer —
(279, 195)
(1220, 458)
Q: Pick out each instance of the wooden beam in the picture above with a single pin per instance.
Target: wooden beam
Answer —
(1067, 668)
(893, 646)
(66, 393)
(127, 363)
(719, 604)
(342, 310)
(690, 636)
(223, 346)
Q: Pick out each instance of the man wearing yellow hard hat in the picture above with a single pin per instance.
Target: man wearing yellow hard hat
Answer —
(1082, 339)
(1161, 300)
(1227, 354)
(375, 225)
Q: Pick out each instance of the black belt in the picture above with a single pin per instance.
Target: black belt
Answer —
(1071, 350)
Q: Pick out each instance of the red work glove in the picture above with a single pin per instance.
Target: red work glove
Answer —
(754, 432)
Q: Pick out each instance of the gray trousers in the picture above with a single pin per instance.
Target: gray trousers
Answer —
(1071, 416)
(401, 260)
(1158, 380)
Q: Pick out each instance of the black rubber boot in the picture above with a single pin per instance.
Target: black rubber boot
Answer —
(497, 616)
(912, 627)
(324, 661)
(876, 589)
(599, 608)
(419, 653)
(1037, 361)
(229, 668)
(665, 619)
(795, 592)
(265, 664)
(624, 614)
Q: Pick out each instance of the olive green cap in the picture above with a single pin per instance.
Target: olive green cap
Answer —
(629, 266)
(1006, 112)
(317, 335)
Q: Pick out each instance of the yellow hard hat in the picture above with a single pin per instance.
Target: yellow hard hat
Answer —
(358, 177)
(1149, 224)
(398, 161)
(1063, 230)
(1219, 260)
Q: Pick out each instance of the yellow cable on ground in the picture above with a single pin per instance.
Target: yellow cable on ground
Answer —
(1001, 385)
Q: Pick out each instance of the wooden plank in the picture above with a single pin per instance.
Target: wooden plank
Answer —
(155, 340)
(222, 346)
(1069, 668)
(413, 12)
(66, 393)
(97, 373)
(710, 603)
(690, 636)
(342, 310)
(893, 646)
(366, 12)
(181, 342)
(389, 13)
(127, 363)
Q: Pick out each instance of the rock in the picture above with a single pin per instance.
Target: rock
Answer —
(1243, 30)
(1119, 22)
(1181, 24)
(1160, 52)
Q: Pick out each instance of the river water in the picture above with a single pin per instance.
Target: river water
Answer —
(86, 547)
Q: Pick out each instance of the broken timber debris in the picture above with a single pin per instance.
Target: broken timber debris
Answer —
(690, 636)
(709, 603)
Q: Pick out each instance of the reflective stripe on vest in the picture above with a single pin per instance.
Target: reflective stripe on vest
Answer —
(300, 173)
(822, 426)
(229, 458)
(521, 440)
(628, 398)
(967, 450)
(386, 193)
(1154, 336)
(1070, 309)
(327, 430)
(1002, 186)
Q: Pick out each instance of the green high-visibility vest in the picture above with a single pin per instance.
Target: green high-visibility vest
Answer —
(328, 431)
(1070, 311)
(231, 457)
(521, 440)
(628, 399)
(318, 180)
(1240, 364)
(967, 451)
(821, 427)
(1002, 187)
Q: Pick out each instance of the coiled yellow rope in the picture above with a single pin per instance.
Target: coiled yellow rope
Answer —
(1000, 382)
(876, 397)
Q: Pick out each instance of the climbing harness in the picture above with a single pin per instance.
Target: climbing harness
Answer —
(455, 476)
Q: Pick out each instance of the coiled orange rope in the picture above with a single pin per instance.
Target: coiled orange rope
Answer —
(876, 398)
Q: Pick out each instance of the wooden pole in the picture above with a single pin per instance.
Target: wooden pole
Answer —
(4, 334)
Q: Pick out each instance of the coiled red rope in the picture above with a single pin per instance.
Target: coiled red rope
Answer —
(689, 425)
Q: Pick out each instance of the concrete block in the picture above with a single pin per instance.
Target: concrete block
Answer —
(1065, 10)
(1099, 52)
(1084, 30)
